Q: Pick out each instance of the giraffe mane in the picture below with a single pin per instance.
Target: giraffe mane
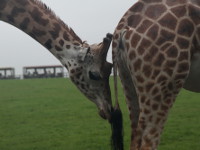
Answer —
(43, 6)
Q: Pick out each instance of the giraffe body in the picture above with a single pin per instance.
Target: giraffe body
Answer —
(156, 48)
(86, 64)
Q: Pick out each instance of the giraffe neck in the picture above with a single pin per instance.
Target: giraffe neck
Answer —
(38, 21)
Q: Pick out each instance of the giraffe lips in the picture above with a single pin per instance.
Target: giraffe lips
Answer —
(106, 114)
(102, 114)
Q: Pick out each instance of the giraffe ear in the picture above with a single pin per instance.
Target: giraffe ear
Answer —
(82, 53)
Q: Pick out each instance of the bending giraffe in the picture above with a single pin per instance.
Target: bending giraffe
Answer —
(156, 49)
(86, 64)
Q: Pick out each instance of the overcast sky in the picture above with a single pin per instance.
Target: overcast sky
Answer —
(90, 19)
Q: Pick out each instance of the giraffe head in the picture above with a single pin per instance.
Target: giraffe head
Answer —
(90, 73)
(87, 65)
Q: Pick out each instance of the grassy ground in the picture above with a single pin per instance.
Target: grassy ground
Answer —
(51, 114)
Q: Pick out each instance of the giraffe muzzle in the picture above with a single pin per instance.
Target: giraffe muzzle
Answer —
(106, 114)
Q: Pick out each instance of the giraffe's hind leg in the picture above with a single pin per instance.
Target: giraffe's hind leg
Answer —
(156, 94)
(155, 104)
(193, 81)
(156, 99)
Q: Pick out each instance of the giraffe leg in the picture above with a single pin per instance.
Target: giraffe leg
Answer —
(193, 82)
(156, 94)
(155, 103)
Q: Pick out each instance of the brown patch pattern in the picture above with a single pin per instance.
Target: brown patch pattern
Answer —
(175, 2)
(145, 43)
(138, 7)
(185, 28)
(24, 24)
(55, 31)
(179, 11)
(3, 4)
(37, 16)
(134, 20)
(168, 21)
(22, 2)
(153, 32)
(155, 11)
(144, 26)
(194, 14)
(135, 39)
(38, 32)
(48, 44)
(183, 43)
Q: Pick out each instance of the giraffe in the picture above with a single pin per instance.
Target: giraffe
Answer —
(156, 50)
(86, 64)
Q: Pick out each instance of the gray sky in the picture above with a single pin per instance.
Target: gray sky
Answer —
(90, 19)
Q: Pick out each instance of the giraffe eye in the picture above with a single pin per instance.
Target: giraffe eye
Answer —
(94, 76)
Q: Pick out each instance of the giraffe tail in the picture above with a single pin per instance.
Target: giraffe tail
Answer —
(116, 120)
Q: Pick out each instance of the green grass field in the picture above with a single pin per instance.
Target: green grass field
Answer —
(51, 114)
